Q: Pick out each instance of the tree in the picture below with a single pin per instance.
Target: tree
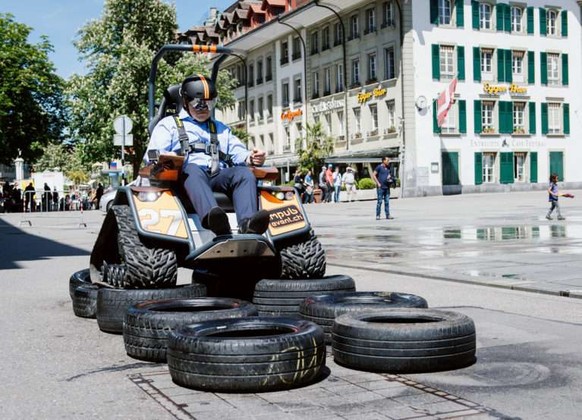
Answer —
(119, 49)
(32, 111)
(314, 148)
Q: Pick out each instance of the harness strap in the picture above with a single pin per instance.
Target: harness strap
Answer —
(184, 142)
(214, 156)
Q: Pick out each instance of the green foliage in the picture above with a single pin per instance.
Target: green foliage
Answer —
(366, 184)
(119, 48)
(241, 134)
(313, 148)
(32, 113)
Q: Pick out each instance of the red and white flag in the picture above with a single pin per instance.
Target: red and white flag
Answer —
(445, 101)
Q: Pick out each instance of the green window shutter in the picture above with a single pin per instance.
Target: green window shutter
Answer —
(462, 116)
(531, 67)
(530, 20)
(435, 125)
(507, 17)
(543, 22)
(461, 63)
(436, 62)
(532, 117)
(544, 68)
(478, 168)
(500, 65)
(434, 12)
(477, 117)
(533, 167)
(475, 14)
(565, 70)
(544, 118)
(506, 168)
(557, 164)
(498, 10)
(505, 117)
(460, 8)
(564, 19)
(508, 68)
(476, 64)
(566, 110)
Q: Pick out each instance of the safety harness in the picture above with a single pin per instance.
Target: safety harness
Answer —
(211, 149)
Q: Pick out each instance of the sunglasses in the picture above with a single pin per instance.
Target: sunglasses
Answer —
(200, 104)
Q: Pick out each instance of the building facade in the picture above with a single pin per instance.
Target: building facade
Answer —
(371, 72)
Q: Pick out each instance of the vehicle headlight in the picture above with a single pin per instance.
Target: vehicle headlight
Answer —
(148, 196)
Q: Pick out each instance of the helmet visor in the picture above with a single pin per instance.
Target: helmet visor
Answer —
(200, 104)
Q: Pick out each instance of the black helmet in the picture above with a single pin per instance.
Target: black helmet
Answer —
(198, 86)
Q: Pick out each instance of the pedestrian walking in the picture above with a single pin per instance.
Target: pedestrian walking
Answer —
(383, 178)
(553, 196)
(337, 185)
(322, 185)
(349, 181)
(329, 183)
(308, 183)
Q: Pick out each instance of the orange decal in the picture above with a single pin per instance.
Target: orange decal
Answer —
(162, 216)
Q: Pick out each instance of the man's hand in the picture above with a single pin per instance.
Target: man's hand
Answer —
(257, 157)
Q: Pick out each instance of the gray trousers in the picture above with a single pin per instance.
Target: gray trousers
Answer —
(556, 206)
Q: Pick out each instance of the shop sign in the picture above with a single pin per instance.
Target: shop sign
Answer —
(328, 106)
(513, 143)
(364, 97)
(499, 89)
(291, 114)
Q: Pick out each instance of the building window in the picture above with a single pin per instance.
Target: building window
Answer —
(374, 115)
(485, 21)
(296, 48)
(519, 166)
(338, 34)
(554, 118)
(284, 52)
(339, 77)
(261, 110)
(552, 22)
(391, 123)
(327, 127)
(241, 110)
(372, 76)
(251, 75)
(389, 72)
(269, 69)
(354, 27)
(355, 72)
(259, 72)
(518, 74)
(488, 167)
(297, 91)
(451, 123)
(370, 21)
(487, 64)
(447, 62)
(388, 14)
(326, 81)
(325, 39)
(340, 118)
(519, 118)
(315, 84)
(487, 117)
(553, 69)
(357, 118)
(314, 42)
(445, 9)
(252, 110)
(285, 94)
(269, 106)
(516, 19)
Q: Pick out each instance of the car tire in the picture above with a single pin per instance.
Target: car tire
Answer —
(405, 340)
(85, 300)
(112, 303)
(276, 297)
(304, 259)
(79, 278)
(246, 355)
(323, 309)
(147, 325)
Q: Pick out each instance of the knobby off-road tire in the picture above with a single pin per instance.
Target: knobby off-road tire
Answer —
(112, 304)
(114, 274)
(85, 300)
(303, 260)
(145, 267)
(79, 278)
(148, 324)
(281, 297)
(323, 309)
(246, 355)
(404, 340)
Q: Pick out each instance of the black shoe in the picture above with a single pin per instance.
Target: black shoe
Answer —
(389, 217)
(217, 221)
(258, 223)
